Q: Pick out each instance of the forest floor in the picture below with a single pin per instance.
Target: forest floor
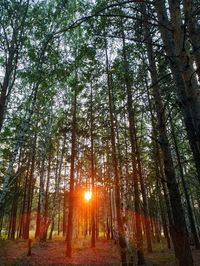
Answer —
(53, 253)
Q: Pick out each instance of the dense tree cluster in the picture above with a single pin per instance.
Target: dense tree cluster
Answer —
(101, 96)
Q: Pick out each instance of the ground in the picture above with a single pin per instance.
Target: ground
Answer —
(53, 253)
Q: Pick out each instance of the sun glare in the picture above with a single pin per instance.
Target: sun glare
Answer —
(88, 195)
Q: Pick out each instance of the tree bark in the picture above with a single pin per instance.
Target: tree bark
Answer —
(92, 169)
(179, 234)
(132, 135)
(193, 30)
(72, 174)
(189, 207)
(187, 88)
(122, 242)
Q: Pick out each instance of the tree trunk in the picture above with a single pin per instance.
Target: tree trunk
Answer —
(138, 221)
(122, 242)
(47, 197)
(186, 85)
(182, 246)
(193, 30)
(189, 207)
(30, 192)
(92, 170)
(72, 173)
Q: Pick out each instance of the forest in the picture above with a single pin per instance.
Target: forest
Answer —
(100, 132)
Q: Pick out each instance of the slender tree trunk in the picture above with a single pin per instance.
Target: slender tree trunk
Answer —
(56, 199)
(65, 204)
(163, 217)
(64, 212)
(72, 173)
(55, 196)
(138, 221)
(30, 192)
(42, 202)
(47, 198)
(37, 230)
(122, 242)
(92, 170)
(14, 212)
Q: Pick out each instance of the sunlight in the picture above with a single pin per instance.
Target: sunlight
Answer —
(88, 195)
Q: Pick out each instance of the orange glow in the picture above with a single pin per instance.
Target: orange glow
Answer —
(88, 195)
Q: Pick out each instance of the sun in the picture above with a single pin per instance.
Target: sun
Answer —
(88, 195)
